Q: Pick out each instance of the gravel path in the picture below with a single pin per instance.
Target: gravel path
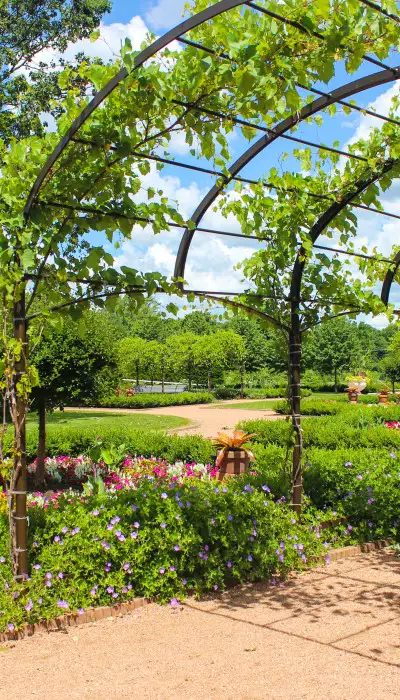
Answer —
(332, 634)
(207, 419)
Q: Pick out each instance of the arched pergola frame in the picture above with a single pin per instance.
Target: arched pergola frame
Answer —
(385, 75)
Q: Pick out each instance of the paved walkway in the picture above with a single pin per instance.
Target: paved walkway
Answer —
(332, 634)
(207, 419)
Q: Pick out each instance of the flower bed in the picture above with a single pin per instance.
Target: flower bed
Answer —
(74, 471)
(161, 536)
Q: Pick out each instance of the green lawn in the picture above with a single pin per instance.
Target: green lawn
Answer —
(251, 405)
(110, 420)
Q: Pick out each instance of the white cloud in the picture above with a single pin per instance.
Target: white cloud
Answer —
(108, 46)
(165, 14)
(381, 105)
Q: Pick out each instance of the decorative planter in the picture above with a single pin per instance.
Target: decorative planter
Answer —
(383, 398)
(353, 396)
(234, 463)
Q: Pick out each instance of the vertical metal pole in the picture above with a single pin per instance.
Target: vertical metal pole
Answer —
(18, 493)
(295, 401)
(162, 374)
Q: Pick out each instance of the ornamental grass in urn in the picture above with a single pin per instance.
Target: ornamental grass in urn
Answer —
(233, 458)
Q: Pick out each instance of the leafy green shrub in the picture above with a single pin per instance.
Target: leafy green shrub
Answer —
(363, 485)
(154, 400)
(226, 392)
(274, 393)
(157, 540)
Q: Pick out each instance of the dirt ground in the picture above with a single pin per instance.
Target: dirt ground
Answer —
(207, 419)
(331, 634)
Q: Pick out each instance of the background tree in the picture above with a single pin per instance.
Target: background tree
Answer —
(28, 88)
(391, 363)
(332, 347)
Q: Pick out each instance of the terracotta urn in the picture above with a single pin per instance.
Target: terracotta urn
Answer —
(234, 463)
(353, 396)
(383, 398)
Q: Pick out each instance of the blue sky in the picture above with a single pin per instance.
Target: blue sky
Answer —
(212, 259)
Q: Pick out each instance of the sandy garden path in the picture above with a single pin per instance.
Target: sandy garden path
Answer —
(207, 419)
(330, 634)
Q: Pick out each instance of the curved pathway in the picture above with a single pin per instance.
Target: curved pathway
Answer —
(206, 419)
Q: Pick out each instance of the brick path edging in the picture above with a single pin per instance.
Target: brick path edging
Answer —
(95, 614)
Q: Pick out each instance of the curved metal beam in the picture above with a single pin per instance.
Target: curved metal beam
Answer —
(326, 218)
(356, 86)
(150, 51)
(388, 281)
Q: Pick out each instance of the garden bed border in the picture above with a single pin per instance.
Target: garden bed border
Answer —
(62, 622)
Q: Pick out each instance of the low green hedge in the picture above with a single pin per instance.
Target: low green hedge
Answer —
(354, 427)
(154, 400)
(222, 393)
(74, 441)
(313, 407)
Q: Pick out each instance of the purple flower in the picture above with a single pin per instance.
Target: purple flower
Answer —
(174, 603)
(2, 560)
(392, 454)
(62, 604)
(370, 524)
(95, 512)
(110, 526)
(249, 558)
(215, 587)
(105, 544)
(35, 544)
(266, 488)
(395, 524)
(229, 564)
(184, 582)
(134, 535)
(36, 566)
(327, 559)
(370, 500)
(126, 566)
(122, 538)
(15, 595)
(64, 530)
(164, 495)
(48, 575)
(359, 477)
(281, 558)
(326, 544)
(162, 571)
(60, 574)
(40, 601)
(293, 521)
(29, 606)
(304, 558)
(248, 488)
(282, 545)
(48, 584)
(348, 464)
(136, 525)
(57, 538)
(110, 589)
(163, 525)
(124, 590)
(134, 508)
(10, 627)
(80, 611)
(172, 568)
(230, 517)
(212, 521)
(75, 530)
(93, 591)
(177, 548)
(177, 517)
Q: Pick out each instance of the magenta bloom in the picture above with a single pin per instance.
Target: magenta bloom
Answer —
(29, 606)
(162, 571)
(10, 627)
(36, 566)
(177, 548)
(174, 603)
(62, 604)
(60, 574)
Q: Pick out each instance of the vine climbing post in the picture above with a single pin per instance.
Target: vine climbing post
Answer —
(18, 409)
(295, 405)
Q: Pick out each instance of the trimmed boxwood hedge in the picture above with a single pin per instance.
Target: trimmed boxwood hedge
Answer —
(154, 400)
